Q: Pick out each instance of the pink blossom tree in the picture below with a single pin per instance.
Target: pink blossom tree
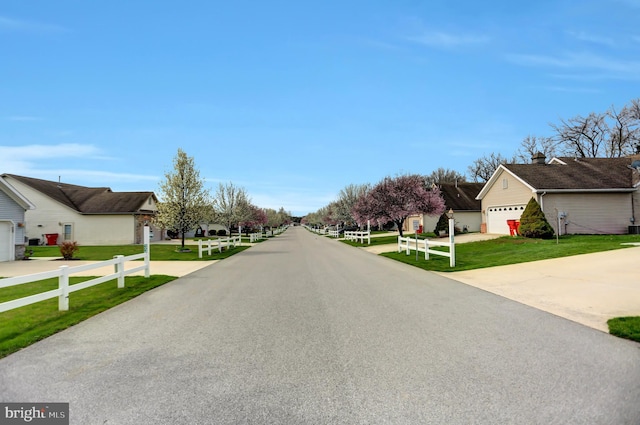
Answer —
(396, 198)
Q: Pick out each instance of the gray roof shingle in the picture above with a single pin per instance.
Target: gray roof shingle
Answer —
(89, 200)
(577, 174)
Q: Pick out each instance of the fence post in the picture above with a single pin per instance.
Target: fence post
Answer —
(219, 245)
(200, 248)
(147, 251)
(120, 270)
(426, 249)
(452, 245)
(63, 285)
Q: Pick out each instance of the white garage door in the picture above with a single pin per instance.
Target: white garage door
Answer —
(497, 218)
(5, 241)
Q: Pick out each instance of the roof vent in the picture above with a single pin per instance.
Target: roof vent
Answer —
(538, 158)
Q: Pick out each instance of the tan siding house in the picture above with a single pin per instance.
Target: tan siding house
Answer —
(89, 216)
(461, 198)
(577, 195)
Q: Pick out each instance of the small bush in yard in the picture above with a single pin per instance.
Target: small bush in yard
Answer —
(68, 248)
(222, 232)
(442, 225)
(533, 223)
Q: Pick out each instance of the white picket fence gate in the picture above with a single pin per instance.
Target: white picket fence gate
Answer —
(423, 245)
(358, 236)
(63, 273)
(218, 244)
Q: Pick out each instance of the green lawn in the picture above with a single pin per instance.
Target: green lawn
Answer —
(625, 327)
(24, 326)
(510, 250)
(159, 252)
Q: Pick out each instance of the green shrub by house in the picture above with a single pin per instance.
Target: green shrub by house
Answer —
(533, 223)
(442, 225)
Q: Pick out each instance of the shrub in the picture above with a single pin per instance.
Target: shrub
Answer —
(212, 232)
(442, 225)
(533, 223)
(68, 248)
(222, 232)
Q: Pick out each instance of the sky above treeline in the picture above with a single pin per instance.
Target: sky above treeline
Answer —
(295, 100)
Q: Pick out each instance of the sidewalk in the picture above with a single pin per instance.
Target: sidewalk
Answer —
(39, 264)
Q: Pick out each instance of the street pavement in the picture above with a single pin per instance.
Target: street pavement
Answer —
(304, 330)
(589, 289)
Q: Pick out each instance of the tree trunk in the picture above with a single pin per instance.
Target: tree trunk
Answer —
(399, 225)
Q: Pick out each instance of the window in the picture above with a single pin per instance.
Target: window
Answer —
(67, 232)
(505, 183)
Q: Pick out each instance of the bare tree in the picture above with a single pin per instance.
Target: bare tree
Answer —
(531, 145)
(183, 197)
(583, 137)
(442, 175)
(483, 168)
(625, 130)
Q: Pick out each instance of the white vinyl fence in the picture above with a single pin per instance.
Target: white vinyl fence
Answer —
(424, 245)
(358, 236)
(217, 244)
(63, 272)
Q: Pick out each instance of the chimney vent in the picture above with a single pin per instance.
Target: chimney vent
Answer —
(538, 158)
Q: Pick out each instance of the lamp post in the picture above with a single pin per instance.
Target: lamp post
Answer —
(452, 246)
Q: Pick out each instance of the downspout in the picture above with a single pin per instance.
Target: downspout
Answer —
(541, 201)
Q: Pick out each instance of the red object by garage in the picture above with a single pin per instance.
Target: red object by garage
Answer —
(52, 238)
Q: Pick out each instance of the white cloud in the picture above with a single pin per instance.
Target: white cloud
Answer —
(22, 118)
(448, 40)
(18, 25)
(591, 38)
(614, 68)
(33, 152)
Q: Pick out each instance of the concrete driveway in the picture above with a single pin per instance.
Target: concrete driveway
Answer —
(589, 289)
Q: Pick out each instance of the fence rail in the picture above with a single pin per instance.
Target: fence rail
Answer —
(64, 289)
(358, 236)
(424, 245)
(217, 244)
(63, 273)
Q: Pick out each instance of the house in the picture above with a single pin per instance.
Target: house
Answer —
(13, 206)
(87, 215)
(577, 195)
(461, 198)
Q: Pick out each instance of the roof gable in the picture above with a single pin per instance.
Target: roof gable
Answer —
(17, 197)
(571, 174)
(88, 200)
(461, 196)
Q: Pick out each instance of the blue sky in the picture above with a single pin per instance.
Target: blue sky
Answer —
(294, 100)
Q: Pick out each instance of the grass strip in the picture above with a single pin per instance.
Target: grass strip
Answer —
(159, 252)
(513, 250)
(625, 327)
(24, 326)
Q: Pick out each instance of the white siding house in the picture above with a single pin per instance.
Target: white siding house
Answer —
(89, 216)
(13, 206)
(577, 195)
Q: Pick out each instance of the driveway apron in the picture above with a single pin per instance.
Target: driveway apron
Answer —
(302, 329)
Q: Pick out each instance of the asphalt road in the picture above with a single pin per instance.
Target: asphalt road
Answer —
(306, 330)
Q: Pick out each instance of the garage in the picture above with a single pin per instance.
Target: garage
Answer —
(497, 218)
(6, 241)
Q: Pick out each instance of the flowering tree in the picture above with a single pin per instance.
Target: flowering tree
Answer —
(395, 199)
(256, 217)
(184, 197)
